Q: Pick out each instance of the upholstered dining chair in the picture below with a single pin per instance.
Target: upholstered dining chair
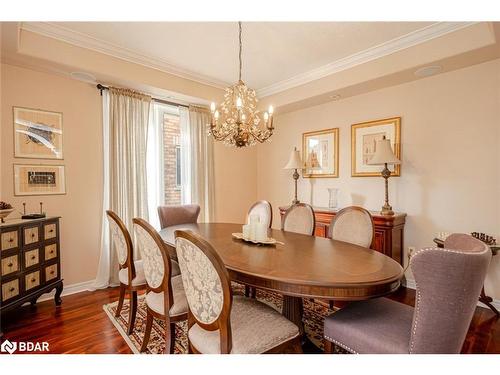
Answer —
(264, 210)
(299, 218)
(176, 215)
(165, 298)
(219, 323)
(448, 282)
(131, 273)
(354, 225)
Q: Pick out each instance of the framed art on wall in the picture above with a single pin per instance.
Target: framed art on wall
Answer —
(320, 150)
(38, 134)
(39, 179)
(364, 137)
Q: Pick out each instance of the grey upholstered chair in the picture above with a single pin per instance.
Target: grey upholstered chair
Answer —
(165, 298)
(131, 273)
(176, 215)
(264, 210)
(354, 225)
(219, 323)
(299, 218)
(448, 281)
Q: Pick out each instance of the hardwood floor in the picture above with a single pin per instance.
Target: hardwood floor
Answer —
(80, 325)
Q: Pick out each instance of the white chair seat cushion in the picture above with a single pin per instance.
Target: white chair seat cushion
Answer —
(156, 303)
(140, 278)
(256, 328)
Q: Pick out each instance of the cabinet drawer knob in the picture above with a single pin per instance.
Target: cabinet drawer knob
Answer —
(10, 265)
(12, 289)
(33, 257)
(32, 235)
(33, 280)
(52, 272)
(52, 251)
(51, 231)
(11, 240)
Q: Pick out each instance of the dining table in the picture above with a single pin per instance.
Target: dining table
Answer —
(298, 266)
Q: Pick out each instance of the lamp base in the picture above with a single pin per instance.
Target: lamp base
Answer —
(387, 210)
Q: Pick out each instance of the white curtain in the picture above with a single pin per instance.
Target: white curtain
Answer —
(125, 130)
(197, 160)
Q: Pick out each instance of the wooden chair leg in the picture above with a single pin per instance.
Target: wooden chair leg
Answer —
(120, 300)
(329, 346)
(169, 337)
(133, 312)
(172, 337)
(331, 304)
(247, 291)
(147, 332)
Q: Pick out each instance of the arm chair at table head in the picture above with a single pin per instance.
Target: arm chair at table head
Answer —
(448, 283)
(176, 215)
(299, 218)
(354, 225)
(165, 298)
(131, 273)
(217, 323)
(264, 210)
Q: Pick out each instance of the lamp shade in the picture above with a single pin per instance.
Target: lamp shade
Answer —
(294, 162)
(384, 154)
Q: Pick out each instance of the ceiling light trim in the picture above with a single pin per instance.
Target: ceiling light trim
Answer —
(403, 42)
(83, 40)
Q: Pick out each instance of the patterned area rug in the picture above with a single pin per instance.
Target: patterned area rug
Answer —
(314, 315)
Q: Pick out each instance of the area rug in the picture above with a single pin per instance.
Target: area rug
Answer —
(314, 315)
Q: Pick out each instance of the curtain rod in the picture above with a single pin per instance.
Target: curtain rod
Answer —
(102, 87)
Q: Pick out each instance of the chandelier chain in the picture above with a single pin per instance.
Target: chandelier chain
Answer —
(241, 47)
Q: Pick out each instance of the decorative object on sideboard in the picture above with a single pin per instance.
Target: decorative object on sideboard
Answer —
(295, 163)
(488, 240)
(320, 150)
(237, 121)
(39, 179)
(33, 215)
(385, 156)
(5, 210)
(364, 137)
(333, 197)
(37, 134)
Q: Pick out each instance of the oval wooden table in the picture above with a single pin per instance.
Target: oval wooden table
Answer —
(302, 266)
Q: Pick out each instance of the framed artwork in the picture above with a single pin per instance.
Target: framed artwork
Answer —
(39, 179)
(320, 150)
(364, 137)
(37, 134)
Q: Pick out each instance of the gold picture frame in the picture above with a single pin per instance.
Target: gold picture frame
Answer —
(38, 134)
(320, 151)
(35, 179)
(363, 142)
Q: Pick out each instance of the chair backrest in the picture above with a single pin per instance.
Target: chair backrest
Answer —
(299, 218)
(122, 243)
(207, 286)
(449, 281)
(155, 260)
(354, 225)
(176, 215)
(264, 210)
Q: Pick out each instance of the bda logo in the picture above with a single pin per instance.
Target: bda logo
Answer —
(8, 346)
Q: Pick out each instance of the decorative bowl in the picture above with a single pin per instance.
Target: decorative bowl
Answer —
(5, 213)
(268, 241)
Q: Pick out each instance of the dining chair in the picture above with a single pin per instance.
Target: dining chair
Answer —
(176, 215)
(165, 298)
(131, 273)
(299, 218)
(448, 282)
(264, 210)
(219, 323)
(354, 225)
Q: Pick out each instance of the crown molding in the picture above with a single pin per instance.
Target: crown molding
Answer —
(79, 39)
(406, 41)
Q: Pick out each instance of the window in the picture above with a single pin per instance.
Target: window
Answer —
(171, 158)
(178, 178)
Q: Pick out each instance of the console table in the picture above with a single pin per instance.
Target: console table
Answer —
(30, 261)
(389, 230)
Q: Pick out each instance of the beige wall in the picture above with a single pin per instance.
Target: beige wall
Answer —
(80, 208)
(451, 166)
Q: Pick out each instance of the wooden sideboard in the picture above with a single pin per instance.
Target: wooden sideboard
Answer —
(389, 230)
(30, 261)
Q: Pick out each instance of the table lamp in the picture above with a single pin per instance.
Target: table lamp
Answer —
(295, 163)
(384, 156)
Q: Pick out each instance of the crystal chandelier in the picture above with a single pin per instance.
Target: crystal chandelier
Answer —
(237, 121)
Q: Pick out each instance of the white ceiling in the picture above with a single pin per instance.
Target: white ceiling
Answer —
(273, 52)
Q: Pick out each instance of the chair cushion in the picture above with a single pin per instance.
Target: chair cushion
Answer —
(155, 301)
(256, 328)
(374, 326)
(140, 278)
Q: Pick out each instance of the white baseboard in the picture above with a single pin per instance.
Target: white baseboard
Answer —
(410, 283)
(69, 289)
